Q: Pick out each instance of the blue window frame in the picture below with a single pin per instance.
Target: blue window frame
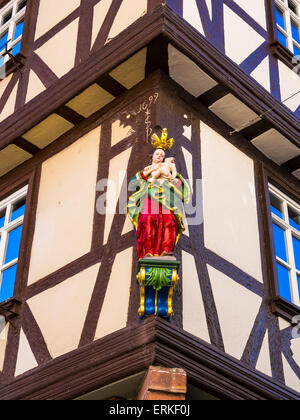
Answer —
(286, 235)
(12, 211)
(287, 15)
(11, 28)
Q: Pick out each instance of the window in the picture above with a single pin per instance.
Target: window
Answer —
(12, 212)
(286, 234)
(287, 14)
(11, 28)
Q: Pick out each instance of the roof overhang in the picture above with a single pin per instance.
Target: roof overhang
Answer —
(158, 40)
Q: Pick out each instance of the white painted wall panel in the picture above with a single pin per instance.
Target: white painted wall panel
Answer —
(230, 209)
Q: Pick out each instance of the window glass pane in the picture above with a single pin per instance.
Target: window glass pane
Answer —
(279, 18)
(18, 210)
(16, 49)
(279, 239)
(1, 63)
(281, 38)
(295, 32)
(21, 5)
(7, 17)
(292, 6)
(2, 218)
(3, 41)
(294, 218)
(8, 283)
(13, 246)
(284, 282)
(297, 51)
(19, 29)
(298, 278)
(276, 205)
(296, 245)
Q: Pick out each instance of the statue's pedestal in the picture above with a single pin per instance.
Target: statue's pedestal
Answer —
(157, 278)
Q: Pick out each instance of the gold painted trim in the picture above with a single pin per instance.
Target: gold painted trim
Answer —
(141, 279)
(175, 278)
(156, 307)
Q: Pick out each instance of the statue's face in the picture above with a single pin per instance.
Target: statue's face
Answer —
(158, 156)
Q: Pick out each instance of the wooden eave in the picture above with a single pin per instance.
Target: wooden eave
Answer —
(162, 21)
(132, 350)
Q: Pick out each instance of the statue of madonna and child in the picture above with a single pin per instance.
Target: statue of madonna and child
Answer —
(156, 210)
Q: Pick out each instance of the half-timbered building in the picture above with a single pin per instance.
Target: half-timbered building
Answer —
(83, 85)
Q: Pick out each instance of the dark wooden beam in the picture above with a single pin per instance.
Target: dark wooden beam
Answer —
(132, 350)
(292, 165)
(157, 56)
(68, 114)
(111, 85)
(256, 129)
(26, 145)
(213, 95)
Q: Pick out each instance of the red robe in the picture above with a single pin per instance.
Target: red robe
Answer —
(157, 228)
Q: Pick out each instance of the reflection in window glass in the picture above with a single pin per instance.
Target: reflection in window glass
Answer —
(296, 245)
(13, 245)
(2, 218)
(281, 38)
(7, 17)
(19, 29)
(3, 41)
(276, 205)
(279, 18)
(294, 219)
(284, 282)
(8, 283)
(296, 51)
(11, 225)
(280, 244)
(18, 210)
(11, 28)
(21, 5)
(285, 213)
(292, 6)
(295, 32)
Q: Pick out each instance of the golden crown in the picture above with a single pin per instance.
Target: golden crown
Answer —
(163, 142)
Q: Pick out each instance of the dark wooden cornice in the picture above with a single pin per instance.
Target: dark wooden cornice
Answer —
(189, 41)
(133, 350)
(162, 21)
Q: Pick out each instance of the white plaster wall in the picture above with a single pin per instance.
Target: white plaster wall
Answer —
(114, 312)
(240, 39)
(59, 52)
(237, 309)
(47, 19)
(127, 14)
(25, 360)
(117, 174)
(61, 319)
(66, 203)
(194, 318)
(3, 341)
(229, 203)
(256, 9)
(35, 86)
(10, 104)
(289, 85)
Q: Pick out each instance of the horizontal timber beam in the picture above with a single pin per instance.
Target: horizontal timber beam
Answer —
(132, 350)
(161, 22)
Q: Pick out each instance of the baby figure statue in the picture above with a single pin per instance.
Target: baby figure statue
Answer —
(162, 171)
